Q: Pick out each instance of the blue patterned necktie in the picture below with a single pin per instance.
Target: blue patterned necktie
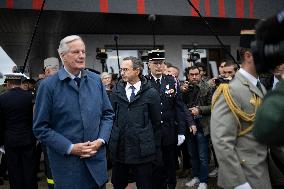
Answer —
(78, 81)
(132, 93)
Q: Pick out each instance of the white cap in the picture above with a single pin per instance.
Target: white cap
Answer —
(14, 76)
(51, 62)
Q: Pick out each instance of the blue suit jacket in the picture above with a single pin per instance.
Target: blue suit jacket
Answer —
(66, 115)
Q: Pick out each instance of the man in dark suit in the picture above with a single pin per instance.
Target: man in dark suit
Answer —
(16, 114)
(172, 111)
(137, 119)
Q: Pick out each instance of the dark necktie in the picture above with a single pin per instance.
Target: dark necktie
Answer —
(158, 84)
(77, 80)
(258, 85)
(132, 93)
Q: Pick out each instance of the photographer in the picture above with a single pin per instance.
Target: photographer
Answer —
(230, 69)
(215, 81)
(197, 97)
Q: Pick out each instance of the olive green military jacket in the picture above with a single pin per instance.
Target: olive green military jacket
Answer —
(241, 158)
(269, 122)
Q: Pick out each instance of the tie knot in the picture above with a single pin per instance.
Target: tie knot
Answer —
(77, 80)
(158, 81)
(132, 87)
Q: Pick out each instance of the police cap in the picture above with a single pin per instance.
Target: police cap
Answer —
(14, 76)
(51, 62)
(156, 55)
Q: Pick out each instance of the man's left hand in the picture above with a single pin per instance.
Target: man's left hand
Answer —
(94, 146)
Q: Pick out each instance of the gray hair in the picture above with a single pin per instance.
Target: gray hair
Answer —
(63, 47)
(136, 63)
(104, 74)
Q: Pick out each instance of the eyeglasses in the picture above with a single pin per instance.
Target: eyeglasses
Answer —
(76, 52)
(124, 69)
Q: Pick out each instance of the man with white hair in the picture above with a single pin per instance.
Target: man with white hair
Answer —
(74, 127)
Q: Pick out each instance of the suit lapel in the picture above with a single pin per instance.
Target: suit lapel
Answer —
(121, 93)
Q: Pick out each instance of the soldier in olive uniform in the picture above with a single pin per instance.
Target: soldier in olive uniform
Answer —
(242, 159)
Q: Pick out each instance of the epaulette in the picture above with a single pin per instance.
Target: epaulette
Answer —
(235, 109)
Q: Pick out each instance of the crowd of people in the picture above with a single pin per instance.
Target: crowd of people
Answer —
(139, 126)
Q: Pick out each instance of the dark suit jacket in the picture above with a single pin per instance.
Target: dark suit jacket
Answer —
(16, 115)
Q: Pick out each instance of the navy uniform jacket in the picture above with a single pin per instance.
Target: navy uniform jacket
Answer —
(172, 109)
(16, 117)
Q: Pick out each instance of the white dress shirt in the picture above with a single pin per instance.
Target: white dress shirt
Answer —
(249, 77)
(275, 81)
(157, 78)
(128, 89)
(73, 76)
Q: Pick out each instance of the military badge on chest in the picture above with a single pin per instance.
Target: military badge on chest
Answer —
(170, 91)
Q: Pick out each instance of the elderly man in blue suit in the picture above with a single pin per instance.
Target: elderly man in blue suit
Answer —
(73, 118)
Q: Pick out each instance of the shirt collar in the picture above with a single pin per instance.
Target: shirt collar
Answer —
(136, 85)
(71, 75)
(248, 76)
(160, 78)
(275, 81)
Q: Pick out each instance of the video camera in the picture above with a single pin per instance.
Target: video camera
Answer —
(101, 54)
(193, 57)
(268, 48)
(222, 79)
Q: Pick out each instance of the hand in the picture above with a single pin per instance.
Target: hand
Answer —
(82, 149)
(92, 148)
(194, 111)
(96, 144)
(181, 139)
(211, 82)
(243, 186)
(184, 87)
(193, 129)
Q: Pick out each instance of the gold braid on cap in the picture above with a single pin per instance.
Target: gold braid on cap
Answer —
(238, 113)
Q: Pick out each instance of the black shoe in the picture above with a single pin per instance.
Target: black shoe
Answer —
(6, 177)
(171, 186)
(183, 173)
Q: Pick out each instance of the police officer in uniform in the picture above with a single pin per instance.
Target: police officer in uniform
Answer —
(16, 115)
(172, 110)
